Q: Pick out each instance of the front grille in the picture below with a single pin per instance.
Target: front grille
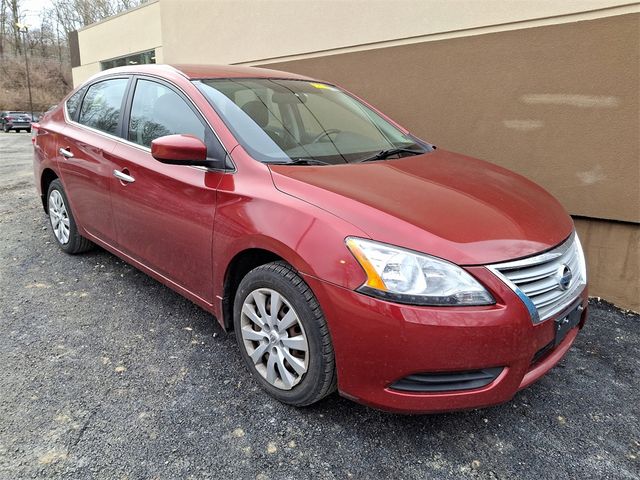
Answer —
(549, 282)
(447, 381)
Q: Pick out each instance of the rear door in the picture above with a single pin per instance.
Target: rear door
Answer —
(164, 213)
(85, 154)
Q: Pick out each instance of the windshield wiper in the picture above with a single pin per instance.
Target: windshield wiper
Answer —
(301, 161)
(387, 153)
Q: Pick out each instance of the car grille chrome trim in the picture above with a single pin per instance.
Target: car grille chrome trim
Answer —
(548, 282)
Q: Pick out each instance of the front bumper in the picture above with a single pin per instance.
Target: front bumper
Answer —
(377, 343)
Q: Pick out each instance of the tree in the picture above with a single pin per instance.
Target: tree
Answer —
(47, 47)
(14, 17)
(3, 22)
(75, 14)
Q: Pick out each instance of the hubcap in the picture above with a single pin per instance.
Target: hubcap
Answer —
(59, 217)
(274, 338)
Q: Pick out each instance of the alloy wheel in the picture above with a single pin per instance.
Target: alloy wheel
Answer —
(59, 217)
(274, 338)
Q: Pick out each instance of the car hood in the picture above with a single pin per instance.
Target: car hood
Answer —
(445, 204)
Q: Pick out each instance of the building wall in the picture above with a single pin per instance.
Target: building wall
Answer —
(613, 260)
(558, 104)
(134, 31)
(237, 31)
(548, 89)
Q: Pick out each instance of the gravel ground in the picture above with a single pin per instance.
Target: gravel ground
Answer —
(108, 374)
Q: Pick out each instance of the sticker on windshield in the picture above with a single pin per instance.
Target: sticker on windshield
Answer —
(321, 86)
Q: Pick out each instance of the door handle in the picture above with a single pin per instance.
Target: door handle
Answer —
(65, 153)
(123, 176)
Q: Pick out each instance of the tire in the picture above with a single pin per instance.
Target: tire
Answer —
(64, 230)
(28, 130)
(6, 130)
(319, 377)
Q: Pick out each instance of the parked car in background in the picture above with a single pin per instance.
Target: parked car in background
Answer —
(14, 120)
(344, 251)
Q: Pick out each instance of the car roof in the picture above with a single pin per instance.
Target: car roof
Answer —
(193, 72)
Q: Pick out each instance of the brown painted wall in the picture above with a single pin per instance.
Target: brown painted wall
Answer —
(613, 260)
(558, 103)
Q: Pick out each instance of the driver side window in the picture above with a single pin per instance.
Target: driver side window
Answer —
(157, 111)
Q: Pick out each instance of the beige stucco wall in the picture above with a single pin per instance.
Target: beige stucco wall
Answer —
(245, 31)
(134, 31)
(262, 31)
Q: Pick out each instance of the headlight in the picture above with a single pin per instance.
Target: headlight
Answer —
(404, 276)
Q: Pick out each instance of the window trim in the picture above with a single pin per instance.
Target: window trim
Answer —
(122, 102)
(228, 160)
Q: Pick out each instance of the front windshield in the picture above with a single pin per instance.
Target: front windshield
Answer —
(280, 121)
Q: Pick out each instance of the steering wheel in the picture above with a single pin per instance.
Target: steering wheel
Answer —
(326, 133)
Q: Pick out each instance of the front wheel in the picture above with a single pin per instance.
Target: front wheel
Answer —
(283, 335)
(63, 225)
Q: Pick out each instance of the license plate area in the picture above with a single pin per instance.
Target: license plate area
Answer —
(566, 322)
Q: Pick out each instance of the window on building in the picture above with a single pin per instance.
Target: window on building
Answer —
(136, 59)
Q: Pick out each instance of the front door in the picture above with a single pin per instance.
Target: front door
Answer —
(164, 214)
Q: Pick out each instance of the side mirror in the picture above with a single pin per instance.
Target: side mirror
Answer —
(180, 150)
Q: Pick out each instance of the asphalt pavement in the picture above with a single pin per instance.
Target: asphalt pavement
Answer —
(105, 373)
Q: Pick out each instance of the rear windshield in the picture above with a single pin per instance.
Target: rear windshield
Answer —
(284, 120)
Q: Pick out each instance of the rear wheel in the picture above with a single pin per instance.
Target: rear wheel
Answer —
(283, 335)
(63, 225)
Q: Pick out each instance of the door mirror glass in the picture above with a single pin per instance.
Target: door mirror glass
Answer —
(180, 150)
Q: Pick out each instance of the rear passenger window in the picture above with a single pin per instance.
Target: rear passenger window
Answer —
(157, 111)
(73, 104)
(102, 104)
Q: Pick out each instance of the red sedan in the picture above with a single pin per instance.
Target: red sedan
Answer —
(345, 252)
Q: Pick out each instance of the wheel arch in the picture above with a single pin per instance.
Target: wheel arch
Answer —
(241, 264)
